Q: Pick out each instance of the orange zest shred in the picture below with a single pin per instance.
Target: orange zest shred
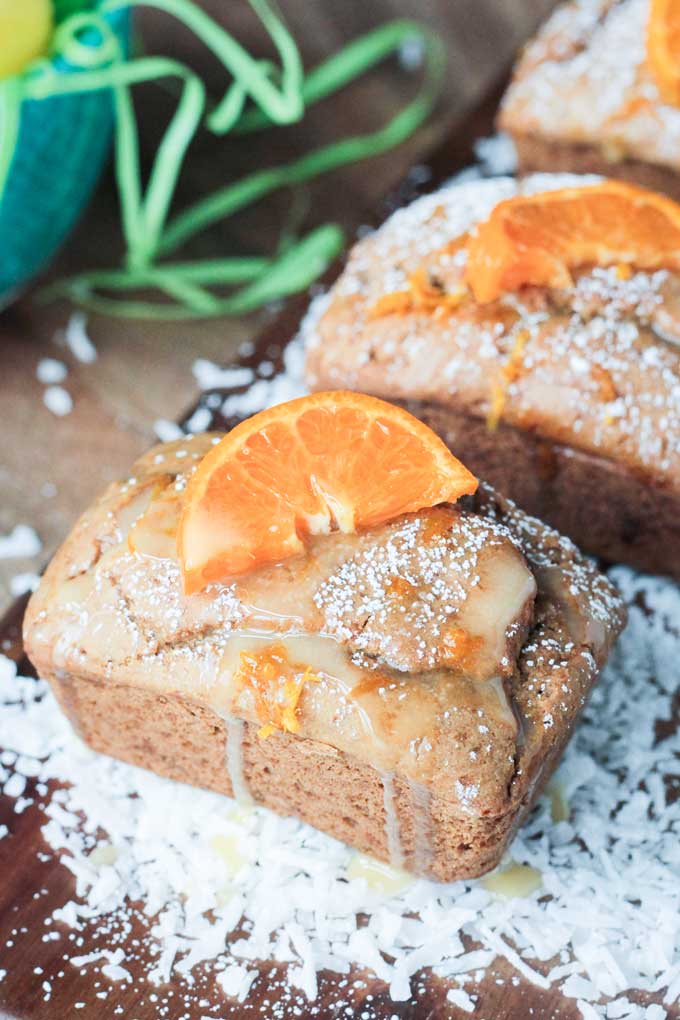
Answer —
(276, 684)
(663, 48)
(510, 372)
(629, 109)
(461, 647)
(422, 295)
(605, 383)
(496, 406)
(399, 587)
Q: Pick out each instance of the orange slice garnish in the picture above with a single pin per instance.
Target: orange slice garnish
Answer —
(323, 462)
(538, 239)
(663, 48)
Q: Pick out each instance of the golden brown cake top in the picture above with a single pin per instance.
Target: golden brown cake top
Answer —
(585, 78)
(442, 638)
(594, 365)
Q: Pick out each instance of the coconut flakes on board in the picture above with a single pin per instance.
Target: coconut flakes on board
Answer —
(181, 869)
(20, 543)
(188, 867)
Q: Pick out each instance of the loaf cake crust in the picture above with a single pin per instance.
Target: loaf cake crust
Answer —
(142, 670)
(583, 98)
(596, 393)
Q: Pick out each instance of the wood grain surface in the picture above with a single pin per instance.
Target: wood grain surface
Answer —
(50, 468)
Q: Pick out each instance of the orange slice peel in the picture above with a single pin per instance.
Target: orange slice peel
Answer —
(328, 461)
(540, 239)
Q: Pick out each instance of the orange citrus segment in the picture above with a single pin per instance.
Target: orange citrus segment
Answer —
(327, 461)
(663, 48)
(538, 239)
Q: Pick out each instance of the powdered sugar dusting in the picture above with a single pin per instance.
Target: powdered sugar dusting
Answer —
(439, 573)
(197, 863)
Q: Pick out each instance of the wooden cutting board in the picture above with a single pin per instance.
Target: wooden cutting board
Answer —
(32, 881)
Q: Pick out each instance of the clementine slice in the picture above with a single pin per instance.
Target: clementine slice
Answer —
(538, 239)
(327, 461)
(663, 48)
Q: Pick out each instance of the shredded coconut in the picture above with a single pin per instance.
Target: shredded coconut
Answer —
(200, 420)
(167, 430)
(19, 584)
(50, 370)
(210, 376)
(77, 339)
(616, 858)
(58, 400)
(21, 541)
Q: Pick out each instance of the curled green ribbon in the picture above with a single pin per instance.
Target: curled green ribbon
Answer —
(260, 94)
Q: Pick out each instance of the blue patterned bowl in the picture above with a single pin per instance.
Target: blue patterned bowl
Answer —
(62, 146)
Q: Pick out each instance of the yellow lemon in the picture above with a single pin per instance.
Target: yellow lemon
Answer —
(25, 30)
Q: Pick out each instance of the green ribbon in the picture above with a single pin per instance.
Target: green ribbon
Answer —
(260, 94)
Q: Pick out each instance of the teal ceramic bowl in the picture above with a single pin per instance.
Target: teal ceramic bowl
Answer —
(62, 147)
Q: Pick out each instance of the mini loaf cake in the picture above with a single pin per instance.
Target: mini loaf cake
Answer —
(597, 91)
(407, 688)
(565, 394)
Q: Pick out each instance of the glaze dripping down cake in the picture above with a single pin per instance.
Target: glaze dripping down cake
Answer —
(407, 688)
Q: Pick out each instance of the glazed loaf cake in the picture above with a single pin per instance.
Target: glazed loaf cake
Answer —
(566, 400)
(439, 664)
(584, 98)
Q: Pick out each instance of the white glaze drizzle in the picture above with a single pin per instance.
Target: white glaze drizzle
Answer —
(234, 760)
(422, 826)
(393, 837)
